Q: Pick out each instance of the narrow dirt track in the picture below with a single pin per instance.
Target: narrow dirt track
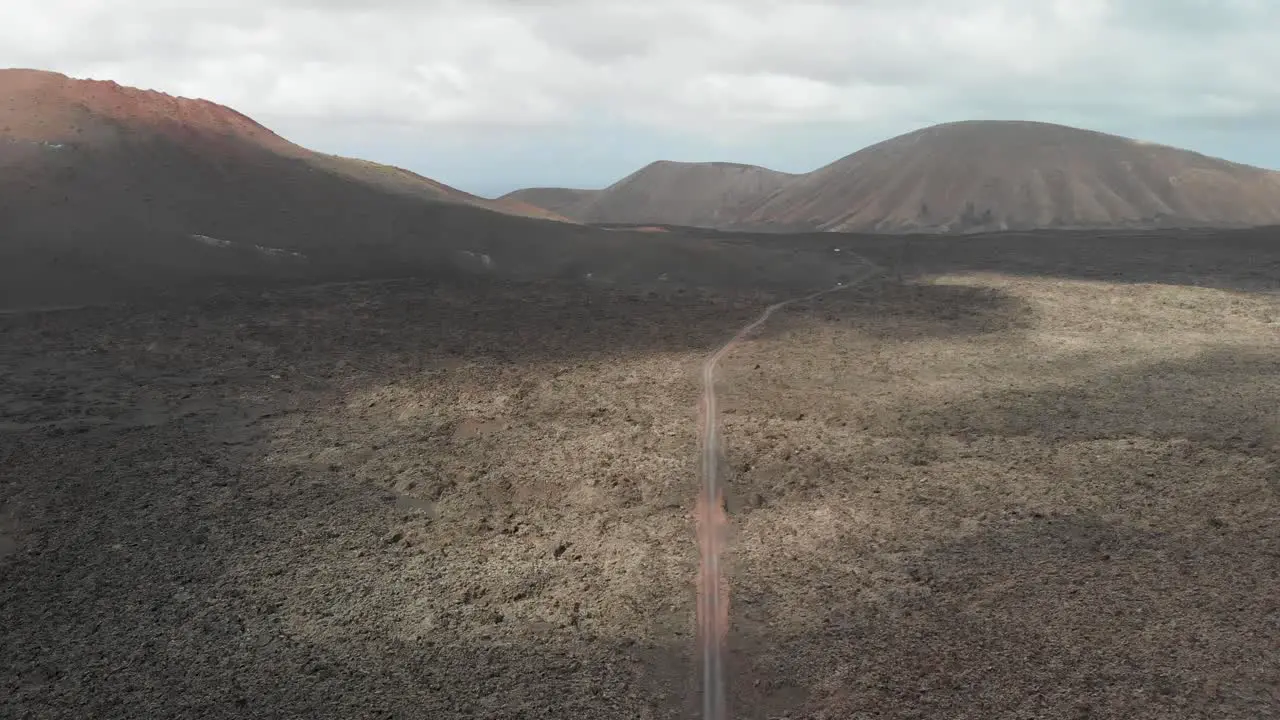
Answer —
(713, 592)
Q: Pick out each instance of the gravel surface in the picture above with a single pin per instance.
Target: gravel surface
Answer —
(971, 493)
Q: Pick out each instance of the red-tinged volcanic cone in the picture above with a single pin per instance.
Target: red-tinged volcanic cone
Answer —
(49, 109)
(105, 190)
(41, 106)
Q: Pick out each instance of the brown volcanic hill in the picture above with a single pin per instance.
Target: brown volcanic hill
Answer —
(712, 194)
(986, 175)
(110, 194)
(568, 202)
(955, 177)
(45, 109)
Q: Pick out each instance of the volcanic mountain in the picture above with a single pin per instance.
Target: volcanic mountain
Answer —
(106, 189)
(54, 111)
(672, 193)
(973, 176)
(114, 194)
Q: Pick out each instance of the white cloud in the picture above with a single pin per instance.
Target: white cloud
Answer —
(664, 62)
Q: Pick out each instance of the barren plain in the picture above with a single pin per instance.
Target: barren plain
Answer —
(1012, 476)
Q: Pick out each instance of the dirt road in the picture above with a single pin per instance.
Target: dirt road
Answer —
(713, 596)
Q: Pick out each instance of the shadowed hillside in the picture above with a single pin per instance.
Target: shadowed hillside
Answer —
(110, 193)
(49, 111)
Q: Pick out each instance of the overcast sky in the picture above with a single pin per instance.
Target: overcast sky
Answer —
(489, 95)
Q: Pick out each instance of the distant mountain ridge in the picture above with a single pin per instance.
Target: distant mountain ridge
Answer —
(677, 193)
(955, 177)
